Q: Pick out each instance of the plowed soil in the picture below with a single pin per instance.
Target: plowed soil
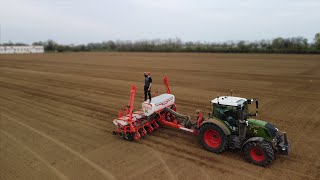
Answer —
(57, 112)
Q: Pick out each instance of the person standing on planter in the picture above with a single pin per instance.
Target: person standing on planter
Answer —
(147, 86)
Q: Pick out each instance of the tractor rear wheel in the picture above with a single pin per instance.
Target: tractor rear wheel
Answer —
(213, 138)
(259, 153)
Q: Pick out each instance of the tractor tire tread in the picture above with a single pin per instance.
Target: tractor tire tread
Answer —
(265, 146)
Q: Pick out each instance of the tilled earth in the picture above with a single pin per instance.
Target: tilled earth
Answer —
(57, 112)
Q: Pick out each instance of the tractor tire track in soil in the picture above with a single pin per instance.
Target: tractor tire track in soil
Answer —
(105, 173)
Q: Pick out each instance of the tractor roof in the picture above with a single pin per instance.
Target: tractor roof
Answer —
(229, 100)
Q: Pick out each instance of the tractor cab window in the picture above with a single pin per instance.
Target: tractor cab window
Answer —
(229, 114)
(245, 110)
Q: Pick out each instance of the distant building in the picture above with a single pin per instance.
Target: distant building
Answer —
(21, 49)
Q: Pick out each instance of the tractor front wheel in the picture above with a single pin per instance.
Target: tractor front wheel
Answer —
(212, 138)
(259, 153)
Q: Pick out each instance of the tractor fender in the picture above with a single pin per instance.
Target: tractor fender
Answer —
(253, 139)
(217, 122)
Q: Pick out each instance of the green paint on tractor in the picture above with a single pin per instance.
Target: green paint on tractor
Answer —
(257, 128)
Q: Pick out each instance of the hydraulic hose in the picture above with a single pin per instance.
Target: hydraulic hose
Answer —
(185, 119)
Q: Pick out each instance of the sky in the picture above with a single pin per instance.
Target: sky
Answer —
(84, 21)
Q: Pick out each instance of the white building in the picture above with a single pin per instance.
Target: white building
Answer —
(21, 49)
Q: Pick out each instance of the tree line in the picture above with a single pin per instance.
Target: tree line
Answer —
(277, 45)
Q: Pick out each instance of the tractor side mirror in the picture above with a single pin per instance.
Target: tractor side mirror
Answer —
(257, 104)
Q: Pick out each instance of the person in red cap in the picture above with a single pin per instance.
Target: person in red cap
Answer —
(147, 85)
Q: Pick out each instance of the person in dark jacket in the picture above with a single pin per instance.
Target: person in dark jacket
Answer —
(147, 86)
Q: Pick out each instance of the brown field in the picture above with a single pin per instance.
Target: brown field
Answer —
(57, 112)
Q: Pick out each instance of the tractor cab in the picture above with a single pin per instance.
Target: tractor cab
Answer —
(231, 109)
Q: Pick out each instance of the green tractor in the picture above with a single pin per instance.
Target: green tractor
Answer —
(230, 126)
